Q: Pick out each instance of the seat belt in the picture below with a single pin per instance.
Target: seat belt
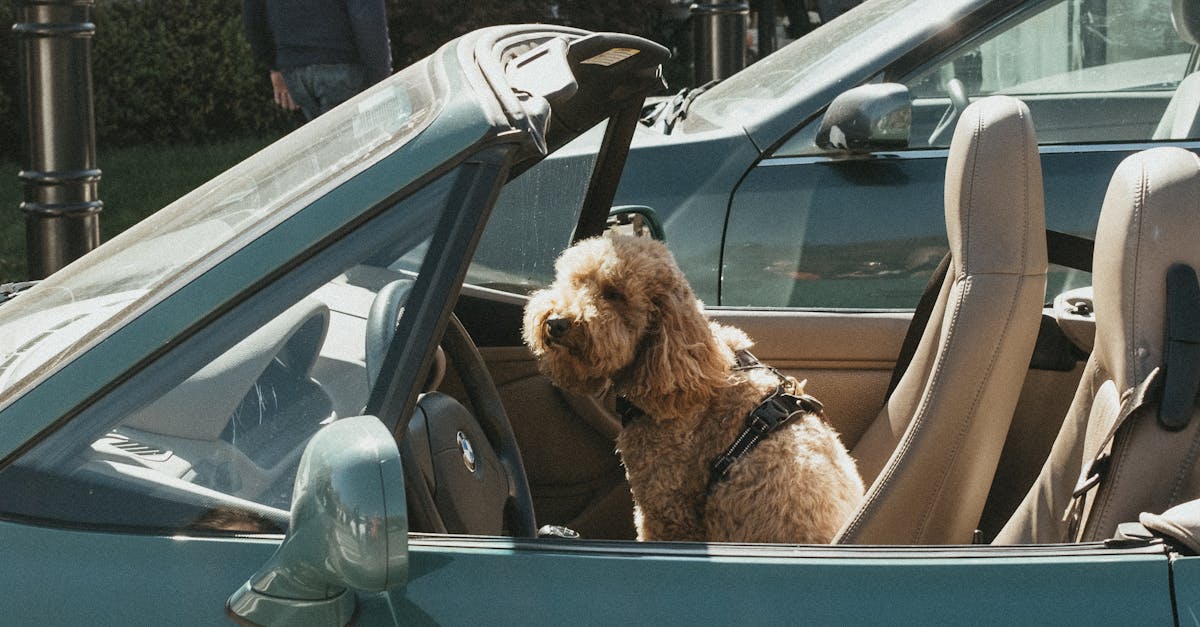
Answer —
(1178, 379)
(1062, 249)
(1093, 473)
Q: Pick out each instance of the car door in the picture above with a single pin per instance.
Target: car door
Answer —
(819, 248)
(461, 581)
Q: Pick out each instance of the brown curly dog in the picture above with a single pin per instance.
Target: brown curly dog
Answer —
(620, 313)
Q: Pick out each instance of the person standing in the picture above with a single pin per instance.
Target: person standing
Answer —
(320, 52)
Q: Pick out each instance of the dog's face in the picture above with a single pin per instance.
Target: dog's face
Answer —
(592, 323)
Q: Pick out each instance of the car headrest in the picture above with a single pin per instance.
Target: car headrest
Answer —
(1185, 14)
(1148, 223)
(989, 219)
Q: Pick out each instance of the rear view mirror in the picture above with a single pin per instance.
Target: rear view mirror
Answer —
(637, 220)
(349, 531)
(867, 119)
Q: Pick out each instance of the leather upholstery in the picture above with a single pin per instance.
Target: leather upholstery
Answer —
(1185, 15)
(1149, 222)
(930, 455)
(1181, 120)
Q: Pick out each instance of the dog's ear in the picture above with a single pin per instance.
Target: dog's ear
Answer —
(682, 364)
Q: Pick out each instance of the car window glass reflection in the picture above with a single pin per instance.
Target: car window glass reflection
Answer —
(196, 232)
(498, 263)
(209, 439)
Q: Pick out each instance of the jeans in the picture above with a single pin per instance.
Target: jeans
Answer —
(319, 88)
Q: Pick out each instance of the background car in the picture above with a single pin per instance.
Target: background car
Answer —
(735, 176)
(259, 399)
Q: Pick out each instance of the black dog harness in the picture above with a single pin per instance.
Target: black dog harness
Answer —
(775, 411)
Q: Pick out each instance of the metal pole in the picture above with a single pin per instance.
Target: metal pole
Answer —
(719, 35)
(62, 209)
(768, 42)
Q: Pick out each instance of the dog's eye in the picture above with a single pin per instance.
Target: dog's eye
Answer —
(613, 294)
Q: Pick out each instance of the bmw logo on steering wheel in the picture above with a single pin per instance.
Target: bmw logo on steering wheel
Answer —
(468, 452)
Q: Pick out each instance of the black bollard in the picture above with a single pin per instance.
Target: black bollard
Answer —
(719, 39)
(59, 173)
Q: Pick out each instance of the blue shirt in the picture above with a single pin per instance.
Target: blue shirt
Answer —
(285, 34)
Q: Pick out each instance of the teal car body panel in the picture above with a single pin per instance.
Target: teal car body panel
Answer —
(629, 584)
(161, 579)
(1185, 574)
(496, 581)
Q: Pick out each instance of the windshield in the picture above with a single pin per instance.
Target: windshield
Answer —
(865, 32)
(76, 307)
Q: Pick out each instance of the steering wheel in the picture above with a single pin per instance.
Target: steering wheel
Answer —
(463, 470)
(958, 103)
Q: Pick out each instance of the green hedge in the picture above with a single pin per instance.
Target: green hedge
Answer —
(180, 71)
(166, 71)
(171, 71)
(10, 120)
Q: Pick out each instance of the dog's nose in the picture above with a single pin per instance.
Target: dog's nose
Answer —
(557, 327)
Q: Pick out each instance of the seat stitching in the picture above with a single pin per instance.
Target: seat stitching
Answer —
(967, 421)
(1100, 501)
(975, 150)
(919, 417)
(1025, 171)
(884, 479)
(997, 348)
(1099, 511)
(1139, 206)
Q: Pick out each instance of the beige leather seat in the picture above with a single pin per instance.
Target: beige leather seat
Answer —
(930, 455)
(1181, 119)
(1150, 221)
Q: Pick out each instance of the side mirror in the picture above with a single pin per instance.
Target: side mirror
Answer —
(349, 531)
(637, 220)
(867, 119)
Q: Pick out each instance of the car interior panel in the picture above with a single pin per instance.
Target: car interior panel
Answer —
(574, 475)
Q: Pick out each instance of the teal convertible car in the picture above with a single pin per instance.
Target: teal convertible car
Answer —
(299, 395)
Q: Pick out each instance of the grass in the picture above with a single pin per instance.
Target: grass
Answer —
(135, 182)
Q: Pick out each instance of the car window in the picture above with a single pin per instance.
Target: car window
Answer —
(538, 210)
(1090, 70)
(209, 437)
